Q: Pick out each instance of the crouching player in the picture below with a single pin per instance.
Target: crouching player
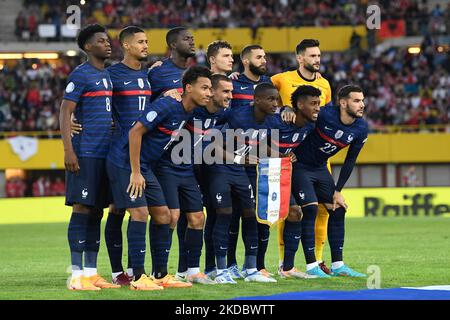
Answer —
(337, 127)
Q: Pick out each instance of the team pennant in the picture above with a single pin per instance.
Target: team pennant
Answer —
(273, 189)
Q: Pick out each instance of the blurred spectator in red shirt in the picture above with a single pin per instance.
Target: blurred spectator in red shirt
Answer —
(15, 188)
(33, 97)
(58, 187)
(41, 187)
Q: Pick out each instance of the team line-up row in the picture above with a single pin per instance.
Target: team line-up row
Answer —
(133, 169)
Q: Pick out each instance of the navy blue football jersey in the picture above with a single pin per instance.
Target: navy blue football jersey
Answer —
(330, 136)
(165, 77)
(244, 90)
(91, 89)
(289, 136)
(163, 118)
(248, 132)
(200, 127)
(131, 94)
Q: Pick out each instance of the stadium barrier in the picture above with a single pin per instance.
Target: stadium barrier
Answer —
(363, 202)
(334, 38)
(398, 202)
(379, 148)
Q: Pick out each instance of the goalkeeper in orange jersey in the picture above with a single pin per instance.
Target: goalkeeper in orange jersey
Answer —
(308, 58)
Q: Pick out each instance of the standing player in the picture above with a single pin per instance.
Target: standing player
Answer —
(220, 58)
(254, 61)
(219, 55)
(306, 105)
(231, 180)
(337, 127)
(134, 157)
(308, 58)
(88, 95)
(204, 120)
(131, 94)
(166, 80)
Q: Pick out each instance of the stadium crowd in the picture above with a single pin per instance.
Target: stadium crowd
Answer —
(232, 13)
(31, 93)
(400, 88)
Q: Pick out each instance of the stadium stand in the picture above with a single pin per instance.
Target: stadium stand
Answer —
(31, 91)
(423, 17)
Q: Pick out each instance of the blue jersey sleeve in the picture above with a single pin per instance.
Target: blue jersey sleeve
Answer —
(75, 87)
(224, 117)
(156, 113)
(350, 159)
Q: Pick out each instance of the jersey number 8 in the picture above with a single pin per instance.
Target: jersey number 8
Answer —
(108, 104)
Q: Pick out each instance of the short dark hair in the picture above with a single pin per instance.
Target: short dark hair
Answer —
(306, 43)
(172, 35)
(249, 49)
(302, 92)
(262, 88)
(87, 33)
(128, 31)
(191, 75)
(215, 46)
(217, 77)
(345, 91)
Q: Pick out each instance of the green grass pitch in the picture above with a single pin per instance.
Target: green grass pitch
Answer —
(409, 252)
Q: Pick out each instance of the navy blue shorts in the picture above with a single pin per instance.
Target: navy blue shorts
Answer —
(90, 185)
(225, 186)
(120, 179)
(181, 191)
(312, 185)
(292, 201)
(201, 174)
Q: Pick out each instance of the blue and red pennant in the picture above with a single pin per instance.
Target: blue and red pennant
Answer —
(273, 189)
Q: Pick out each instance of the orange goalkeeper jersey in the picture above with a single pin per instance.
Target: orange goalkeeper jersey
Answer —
(287, 82)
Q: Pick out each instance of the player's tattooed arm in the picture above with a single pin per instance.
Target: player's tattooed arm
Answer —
(137, 181)
(70, 158)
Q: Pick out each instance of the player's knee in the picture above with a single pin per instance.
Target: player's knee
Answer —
(196, 220)
(161, 215)
(139, 214)
(116, 211)
(80, 208)
(174, 217)
(295, 214)
(309, 210)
